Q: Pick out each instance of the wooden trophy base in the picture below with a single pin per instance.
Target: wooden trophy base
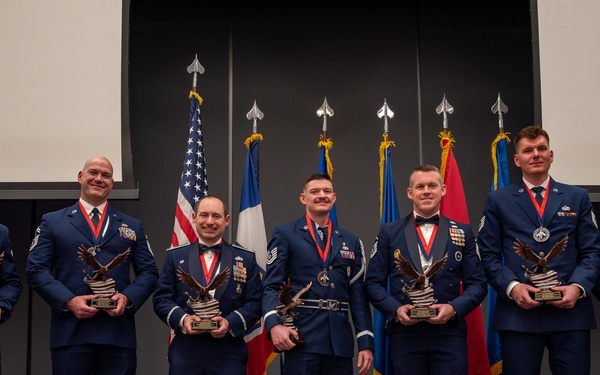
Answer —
(103, 303)
(205, 325)
(422, 313)
(547, 295)
(301, 340)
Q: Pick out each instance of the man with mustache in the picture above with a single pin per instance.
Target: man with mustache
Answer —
(331, 269)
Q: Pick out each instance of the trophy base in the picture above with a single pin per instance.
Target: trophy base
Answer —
(547, 295)
(422, 313)
(103, 303)
(301, 340)
(205, 325)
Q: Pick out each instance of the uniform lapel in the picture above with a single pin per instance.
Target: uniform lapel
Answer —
(114, 223)
(226, 260)
(78, 220)
(410, 233)
(336, 245)
(441, 238)
(194, 266)
(553, 204)
(523, 200)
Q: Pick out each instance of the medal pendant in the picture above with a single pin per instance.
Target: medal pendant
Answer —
(541, 234)
(323, 278)
(94, 249)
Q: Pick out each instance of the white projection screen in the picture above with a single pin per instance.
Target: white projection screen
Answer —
(63, 95)
(569, 58)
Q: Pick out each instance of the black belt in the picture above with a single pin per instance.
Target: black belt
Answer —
(324, 304)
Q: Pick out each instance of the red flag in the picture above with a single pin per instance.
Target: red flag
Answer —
(454, 206)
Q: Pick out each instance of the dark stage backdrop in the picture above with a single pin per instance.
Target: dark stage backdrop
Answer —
(289, 60)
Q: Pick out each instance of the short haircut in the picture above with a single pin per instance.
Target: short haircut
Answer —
(424, 168)
(211, 196)
(316, 176)
(530, 132)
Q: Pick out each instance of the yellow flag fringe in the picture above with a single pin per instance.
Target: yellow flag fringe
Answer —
(385, 144)
(252, 138)
(496, 368)
(500, 136)
(328, 144)
(446, 143)
(270, 360)
(198, 97)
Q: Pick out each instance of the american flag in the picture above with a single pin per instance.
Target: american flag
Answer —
(194, 184)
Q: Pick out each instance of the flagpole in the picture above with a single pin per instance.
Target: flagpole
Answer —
(195, 68)
(326, 144)
(325, 165)
(388, 212)
(447, 141)
(454, 206)
(499, 180)
(386, 113)
(251, 234)
(230, 127)
(193, 184)
(324, 111)
(499, 107)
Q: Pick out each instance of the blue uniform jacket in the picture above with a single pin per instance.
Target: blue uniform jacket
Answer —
(239, 297)
(509, 214)
(463, 265)
(293, 254)
(10, 283)
(56, 273)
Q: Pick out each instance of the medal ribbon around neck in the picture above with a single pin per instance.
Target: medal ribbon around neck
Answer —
(426, 247)
(540, 210)
(311, 229)
(208, 273)
(98, 229)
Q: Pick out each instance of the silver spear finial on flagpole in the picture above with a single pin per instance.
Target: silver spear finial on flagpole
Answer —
(325, 110)
(386, 113)
(499, 107)
(195, 68)
(254, 114)
(445, 108)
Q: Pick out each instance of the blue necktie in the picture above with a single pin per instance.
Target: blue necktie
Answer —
(538, 194)
(95, 216)
(323, 235)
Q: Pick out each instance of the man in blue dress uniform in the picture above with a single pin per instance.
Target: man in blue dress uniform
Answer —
(238, 292)
(435, 279)
(334, 268)
(541, 214)
(85, 339)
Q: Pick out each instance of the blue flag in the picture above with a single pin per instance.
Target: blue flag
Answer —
(388, 211)
(324, 162)
(500, 180)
